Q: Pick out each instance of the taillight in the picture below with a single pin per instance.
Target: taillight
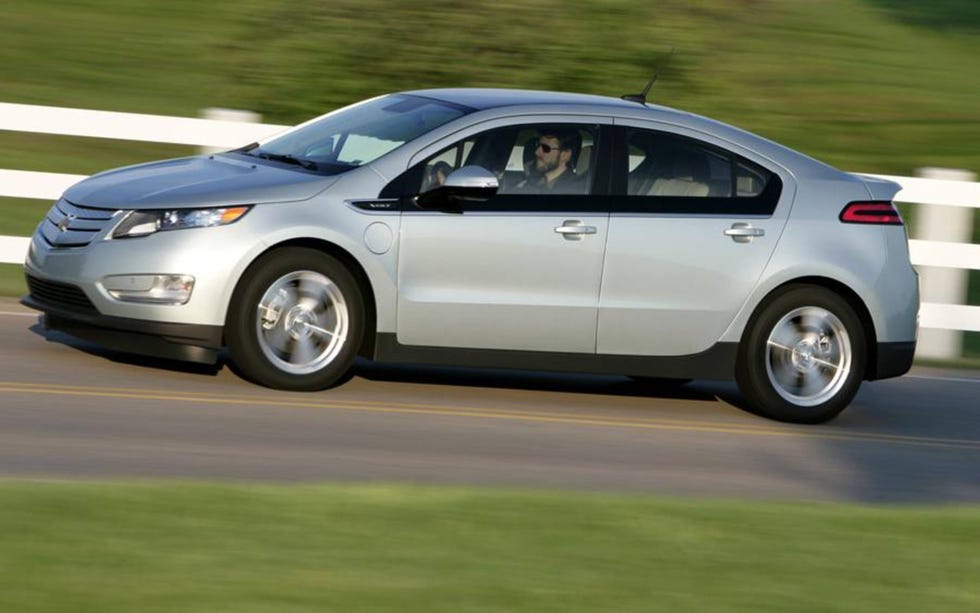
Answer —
(874, 212)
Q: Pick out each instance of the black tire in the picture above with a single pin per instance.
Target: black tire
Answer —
(816, 360)
(313, 307)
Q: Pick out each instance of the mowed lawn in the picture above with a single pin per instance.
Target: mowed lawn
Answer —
(177, 547)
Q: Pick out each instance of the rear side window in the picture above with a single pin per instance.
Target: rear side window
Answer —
(750, 180)
(674, 174)
(666, 166)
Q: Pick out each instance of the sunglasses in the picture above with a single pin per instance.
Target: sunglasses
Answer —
(546, 147)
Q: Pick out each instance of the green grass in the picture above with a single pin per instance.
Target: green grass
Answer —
(872, 85)
(867, 85)
(20, 216)
(12, 280)
(76, 155)
(166, 547)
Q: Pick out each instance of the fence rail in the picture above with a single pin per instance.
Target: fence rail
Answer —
(132, 126)
(220, 133)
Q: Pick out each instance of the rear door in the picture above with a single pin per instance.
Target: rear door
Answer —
(692, 226)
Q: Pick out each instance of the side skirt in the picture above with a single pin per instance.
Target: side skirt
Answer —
(717, 362)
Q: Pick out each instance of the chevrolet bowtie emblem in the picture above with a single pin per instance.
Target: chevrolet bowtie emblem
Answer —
(64, 223)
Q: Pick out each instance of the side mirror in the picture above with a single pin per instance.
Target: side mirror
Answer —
(467, 184)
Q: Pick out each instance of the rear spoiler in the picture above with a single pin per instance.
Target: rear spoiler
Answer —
(878, 188)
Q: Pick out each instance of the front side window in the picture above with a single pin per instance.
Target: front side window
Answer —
(545, 159)
(357, 134)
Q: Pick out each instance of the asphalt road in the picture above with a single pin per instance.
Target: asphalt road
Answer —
(69, 410)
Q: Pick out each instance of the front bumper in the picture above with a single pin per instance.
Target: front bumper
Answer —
(175, 341)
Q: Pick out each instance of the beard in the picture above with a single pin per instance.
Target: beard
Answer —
(542, 167)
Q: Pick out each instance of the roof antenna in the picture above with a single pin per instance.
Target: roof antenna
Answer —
(642, 97)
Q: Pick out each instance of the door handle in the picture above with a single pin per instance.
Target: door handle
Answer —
(744, 232)
(573, 229)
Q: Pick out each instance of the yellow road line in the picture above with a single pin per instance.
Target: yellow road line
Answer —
(405, 408)
(289, 397)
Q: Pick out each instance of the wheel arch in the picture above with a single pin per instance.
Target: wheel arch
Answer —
(352, 264)
(842, 290)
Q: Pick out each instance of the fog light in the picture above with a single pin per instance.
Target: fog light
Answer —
(150, 289)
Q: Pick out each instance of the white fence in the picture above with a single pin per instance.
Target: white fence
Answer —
(227, 134)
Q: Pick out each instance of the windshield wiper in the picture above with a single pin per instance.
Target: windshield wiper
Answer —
(283, 157)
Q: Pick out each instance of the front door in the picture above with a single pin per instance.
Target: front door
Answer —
(520, 271)
(500, 281)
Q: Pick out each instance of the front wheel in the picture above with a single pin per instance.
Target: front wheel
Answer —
(803, 358)
(296, 320)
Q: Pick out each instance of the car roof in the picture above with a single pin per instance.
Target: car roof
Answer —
(487, 98)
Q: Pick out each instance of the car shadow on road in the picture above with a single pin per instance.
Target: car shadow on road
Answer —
(543, 381)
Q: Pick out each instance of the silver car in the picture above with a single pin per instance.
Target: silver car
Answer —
(495, 228)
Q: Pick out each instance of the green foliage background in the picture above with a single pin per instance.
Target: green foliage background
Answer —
(871, 85)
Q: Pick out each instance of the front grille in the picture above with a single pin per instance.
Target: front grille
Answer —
(71, 225)
(59, 294)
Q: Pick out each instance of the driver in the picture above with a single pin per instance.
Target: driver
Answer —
(552, 170)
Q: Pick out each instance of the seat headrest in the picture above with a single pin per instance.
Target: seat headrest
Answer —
(689, 165)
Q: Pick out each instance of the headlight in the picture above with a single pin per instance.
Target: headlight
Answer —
(141, 223)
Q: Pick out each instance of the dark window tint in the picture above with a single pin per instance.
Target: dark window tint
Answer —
(666, 173)
(662, 165)
(750, 180)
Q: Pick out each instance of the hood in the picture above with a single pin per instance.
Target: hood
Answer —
(201, 181)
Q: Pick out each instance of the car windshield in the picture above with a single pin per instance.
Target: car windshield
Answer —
(357, 134)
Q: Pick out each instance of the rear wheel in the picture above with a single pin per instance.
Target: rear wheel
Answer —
(803, 358)
(296, 320)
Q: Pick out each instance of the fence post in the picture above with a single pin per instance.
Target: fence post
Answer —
(220, 114)
(951, 224)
